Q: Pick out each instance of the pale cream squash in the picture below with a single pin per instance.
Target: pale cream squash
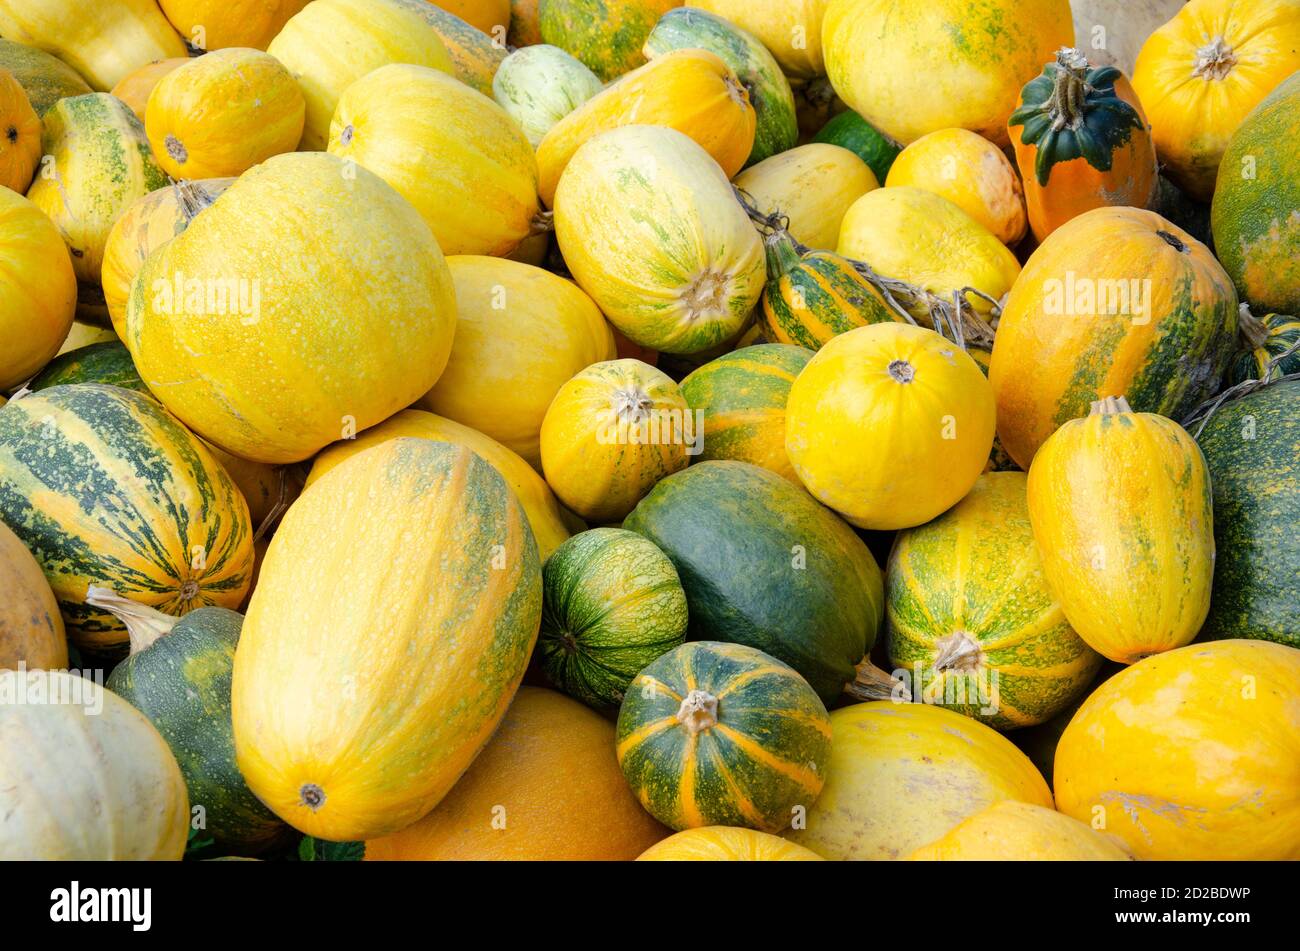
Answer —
(813, 186)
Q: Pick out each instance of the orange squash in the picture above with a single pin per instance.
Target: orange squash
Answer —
(31, 627)
(20, 135)
(490, 16)
(135, 87)
(217, 24)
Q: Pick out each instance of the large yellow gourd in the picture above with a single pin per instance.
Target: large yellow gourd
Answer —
(136, 86)
(38, 291)
(726, 844)
(791, 29)
(1011, 831)
(217, 24)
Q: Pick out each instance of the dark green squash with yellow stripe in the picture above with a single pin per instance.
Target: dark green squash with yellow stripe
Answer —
(606, 36)
(722, 734)
(850, 131)
(1265, 339)
(742, 397)
(46, 79)
(107, 362)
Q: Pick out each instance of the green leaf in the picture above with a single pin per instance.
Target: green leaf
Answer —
(318, 850)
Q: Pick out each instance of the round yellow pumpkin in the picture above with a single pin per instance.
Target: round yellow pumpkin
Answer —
(217, 24)
(136, 86)
(31, 627)
(726, 844)
(1012, 831)
(20, 135)
(889, 425)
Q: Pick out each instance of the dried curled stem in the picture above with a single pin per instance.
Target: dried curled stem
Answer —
(1203, 413)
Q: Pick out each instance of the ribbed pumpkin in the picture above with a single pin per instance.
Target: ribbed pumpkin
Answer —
(100, 164)
(272, 360)
(20, 135)
(31, 628)
(919, 67)
(812, 186)
(543, 511)
(540, 85)
(612, 603)
(1191, 754)
(451, 152)
(356, 707)
(88, 755)
(1256, 230)
(722, 734)
(889, 425)
(607, 37)
(969, 171)
(547, 787)
(178, 675)
(149, 221)
(521, 334)
(217, 24)
(850, 131)
(1011, 831)
(791, 29)
(101, 41)
(1120, 503)
(611, 433)
(107, 489)
(475, 52)
(1201, 73)
(331, 44)
(742, 397)
(650, 228)
(726, 844)
(38, 292)
(903, 774)
(972, 619)
(136, 86)
(223, 113)
(1081, 142)
(1117, 300)
(1264, 340)
(814, 296)
(43, 77)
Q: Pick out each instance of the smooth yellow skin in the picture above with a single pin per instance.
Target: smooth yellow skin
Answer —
(790, 29)
(540, 505)
(1192, 754)
(222, 23)
(136, 86)
(904, 774)
(20, 146)
(884, 453)
(101, 41)
(521, 334)
(1120, 505)
(219, 115)
(726, 844)
(451, 152)
(355, 318)
(912, 68)
(38, 291)
(1011, 831)
(333, 43)
(31, 627)
(1193, 114)
(917, 236)
(814, 185)
(969, 171)
(83, 787)
(599, 456)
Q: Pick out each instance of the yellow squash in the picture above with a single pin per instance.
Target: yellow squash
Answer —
(791, 29)
(20, 145)
(223, 113)
(1120, 505)
(134, 88)
(333, 43)
(1011, 831)
(610, 434)
(217, 24)
(356, 705)
(650, 228)
(1191, 754)
(452, 152)
(31, 627)
(811, 185)
(83, 335)
(309, 302)
(692, 91)
(726, 844)
(521, 334)
(889, 425)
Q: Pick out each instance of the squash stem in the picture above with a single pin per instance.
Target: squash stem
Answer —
(1110, 406)
(144, 625)
(872, 683)
(1253, 331)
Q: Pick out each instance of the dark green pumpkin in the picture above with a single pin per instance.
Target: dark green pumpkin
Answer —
(1265, 340)
(1252, 449)
(108, 362)
(722, 734)
(765, 565)
(849, 130)
(178, 675)
(612, 604)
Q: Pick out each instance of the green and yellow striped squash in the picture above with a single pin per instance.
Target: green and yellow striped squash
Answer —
(107, 362)
(813, 297)
(742, 398)
(475, 56)
(46, 79)
(612, 603)
(108, 489)
(1265, 339)
(999, 460)
(606, 36)
(850, 131)
(1252, 448)
(723, 734)
(970, 616)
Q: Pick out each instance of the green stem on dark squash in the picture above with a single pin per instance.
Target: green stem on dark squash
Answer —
(144, 625)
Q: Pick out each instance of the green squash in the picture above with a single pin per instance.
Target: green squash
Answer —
(1265, 339)
(849, 130)
(765, 565)
(178, 675)
(722, 734)
(108, 362)
(612, 604)
(606, 36)
(1252, 448)
(758, 71)
(46, 79)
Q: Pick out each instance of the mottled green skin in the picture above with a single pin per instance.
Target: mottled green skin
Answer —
(612, 603)
(850, 131)
(540, 85)
(777, 128)
(108, 362)
(811, 298)
(1255, 213)
(607, 35)
(45, 78)
(1252, 448)
(715, 777)
(1283, 334)
(765, 565)
(181, 682)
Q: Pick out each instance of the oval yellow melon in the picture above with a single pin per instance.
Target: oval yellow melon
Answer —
(726, 844)
(1011, 831)
(136, 86)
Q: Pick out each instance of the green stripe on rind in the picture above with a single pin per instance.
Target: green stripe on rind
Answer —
(834, 299)
(1283, 334)
(108, 362)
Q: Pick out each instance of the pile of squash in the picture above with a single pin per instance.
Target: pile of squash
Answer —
(613, 429)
